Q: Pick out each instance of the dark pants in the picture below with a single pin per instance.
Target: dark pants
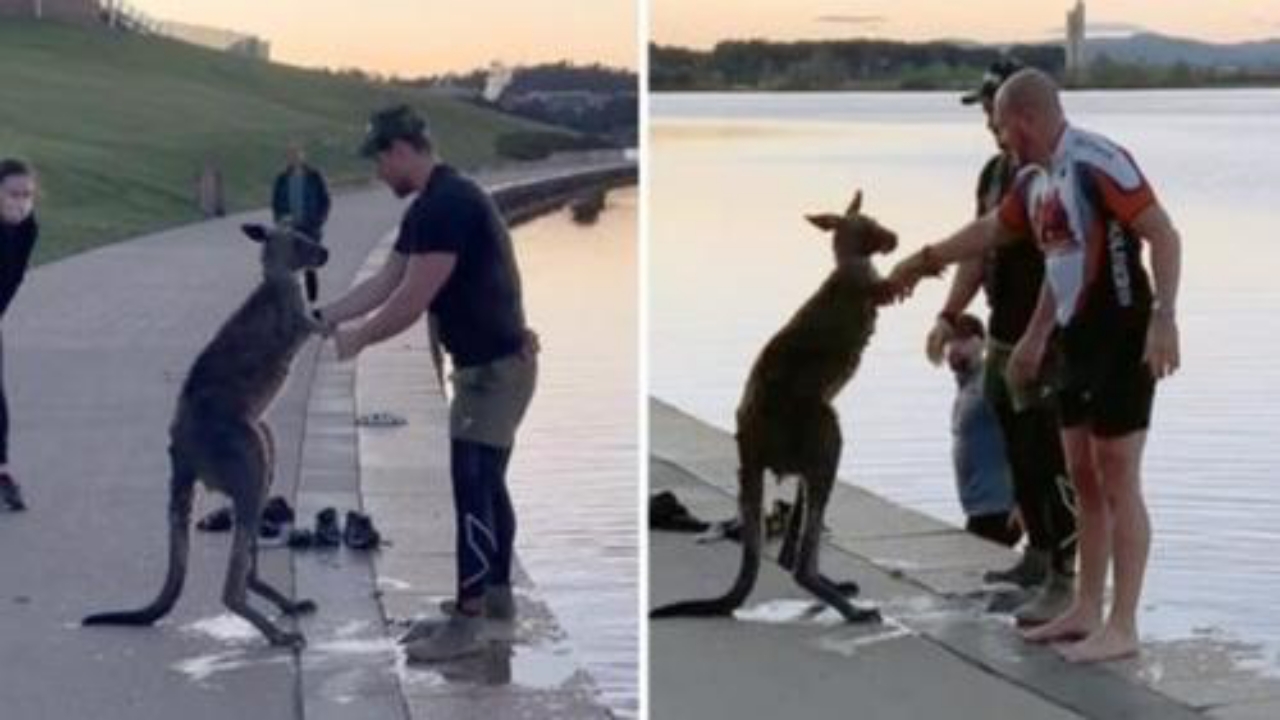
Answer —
(486, 520)
(313, 285)
(311, 279)
(4, 412)
(994, 527)
(1033, 444)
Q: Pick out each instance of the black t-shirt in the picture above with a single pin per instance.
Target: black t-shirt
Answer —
(16, 244)
(480, 311)
(1012, 273)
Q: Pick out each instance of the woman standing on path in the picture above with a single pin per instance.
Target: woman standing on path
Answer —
(18, 232)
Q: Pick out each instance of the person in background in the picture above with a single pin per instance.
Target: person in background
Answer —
(977, 447)
(18, 233)
(300, 199)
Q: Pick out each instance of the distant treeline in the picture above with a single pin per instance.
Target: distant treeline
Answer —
(554, 77)
(834, 65)
(887, 65)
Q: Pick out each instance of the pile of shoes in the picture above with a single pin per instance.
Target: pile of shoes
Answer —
(277, 521)
(359, 533)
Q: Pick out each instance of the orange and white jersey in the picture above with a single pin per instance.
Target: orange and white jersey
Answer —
(1080, 210)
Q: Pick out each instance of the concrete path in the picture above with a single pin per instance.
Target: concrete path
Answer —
(96, 348)
(938, 655)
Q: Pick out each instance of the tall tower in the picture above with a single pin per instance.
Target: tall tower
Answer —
(1076, 60)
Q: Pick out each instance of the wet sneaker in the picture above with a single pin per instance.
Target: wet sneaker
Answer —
(458, 637)
(300, 538)
(360, 533)
(11, 494)
(1049, 601)
(327, 533)
(219, 520)
(499, 603)
(277, 512)
(270, 534)
(1030, 571)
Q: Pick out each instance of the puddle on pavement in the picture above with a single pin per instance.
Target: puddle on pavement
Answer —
(225, 628)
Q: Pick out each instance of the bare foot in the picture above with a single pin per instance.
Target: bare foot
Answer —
(1074, 624)
(1100, 646)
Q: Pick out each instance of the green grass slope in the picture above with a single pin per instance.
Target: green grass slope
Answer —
(119, 127)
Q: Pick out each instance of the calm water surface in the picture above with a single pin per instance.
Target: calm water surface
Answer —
(732, 259)
(575, 475)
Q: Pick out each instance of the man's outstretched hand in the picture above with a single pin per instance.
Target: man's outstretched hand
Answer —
(910, 271)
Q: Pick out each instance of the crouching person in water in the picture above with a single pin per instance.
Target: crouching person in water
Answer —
(18, 232)
(454, 259)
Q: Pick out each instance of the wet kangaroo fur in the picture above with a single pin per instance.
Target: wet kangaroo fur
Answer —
(218, 435)
(786, 423)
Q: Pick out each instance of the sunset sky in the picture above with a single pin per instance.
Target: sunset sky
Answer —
(701, 23)
(420, 37)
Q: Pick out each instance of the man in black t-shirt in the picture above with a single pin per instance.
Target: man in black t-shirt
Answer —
(453, 258)
(1010, 276)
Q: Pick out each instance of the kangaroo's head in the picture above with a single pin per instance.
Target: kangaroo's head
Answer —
(854, 235)
(286, 250)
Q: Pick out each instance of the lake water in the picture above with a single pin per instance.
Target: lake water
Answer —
(578, 522)
(731, 259)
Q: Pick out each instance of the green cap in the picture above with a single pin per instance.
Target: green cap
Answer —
(399, 122)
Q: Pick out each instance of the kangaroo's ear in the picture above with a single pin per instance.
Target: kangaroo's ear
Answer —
(824, 221)
(257, 233)
(856, 205)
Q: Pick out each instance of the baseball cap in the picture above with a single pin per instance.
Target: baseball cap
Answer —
(992, 79)
(398, 122)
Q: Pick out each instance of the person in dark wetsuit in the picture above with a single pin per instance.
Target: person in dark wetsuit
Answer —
(1010, 276)
(454, 259)
(18, 233)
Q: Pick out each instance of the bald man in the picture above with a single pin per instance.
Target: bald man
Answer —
(1086, 205)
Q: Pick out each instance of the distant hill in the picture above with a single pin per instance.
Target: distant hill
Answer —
(1155, 49)
(119, 125)
(600, 101)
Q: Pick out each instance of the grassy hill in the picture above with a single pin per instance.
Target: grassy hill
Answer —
(119, 127)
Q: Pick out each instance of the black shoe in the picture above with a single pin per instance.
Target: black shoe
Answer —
(11, 494)
(360, 533)
(666, 512)
(219, 520)
(268, 530)
(327, 534)
(301, 539)
(277, 512)
(1028, 572)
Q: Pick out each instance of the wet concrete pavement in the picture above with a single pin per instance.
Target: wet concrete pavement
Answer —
(939, 654)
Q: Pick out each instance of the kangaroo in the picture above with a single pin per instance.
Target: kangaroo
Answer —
(218, 436)
(785, 421)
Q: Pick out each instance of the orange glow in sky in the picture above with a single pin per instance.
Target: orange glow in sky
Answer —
(422, 37)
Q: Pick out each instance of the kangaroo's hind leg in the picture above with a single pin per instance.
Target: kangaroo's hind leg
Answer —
(240, 464)
(819, 477)
(255, 583)
(787, 555)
